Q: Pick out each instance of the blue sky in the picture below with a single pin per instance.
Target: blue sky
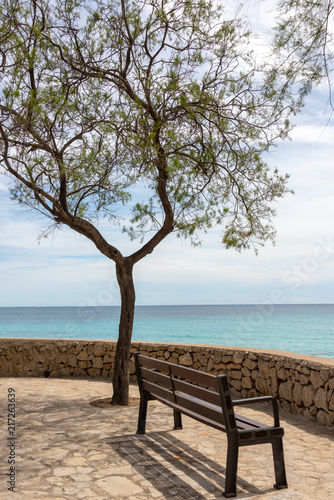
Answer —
(66, 269)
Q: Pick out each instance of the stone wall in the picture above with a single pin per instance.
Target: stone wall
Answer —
(303, 384)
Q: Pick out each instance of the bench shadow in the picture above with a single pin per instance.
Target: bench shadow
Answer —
(175, 469)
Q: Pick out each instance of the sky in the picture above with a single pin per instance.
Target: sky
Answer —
(67, 270)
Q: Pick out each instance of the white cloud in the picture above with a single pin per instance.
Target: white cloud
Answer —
(313, 134)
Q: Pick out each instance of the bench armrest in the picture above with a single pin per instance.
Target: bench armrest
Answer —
(261, 399)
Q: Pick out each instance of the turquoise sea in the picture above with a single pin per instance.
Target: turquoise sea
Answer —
(304, 329)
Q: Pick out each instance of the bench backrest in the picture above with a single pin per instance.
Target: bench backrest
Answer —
(200, 395)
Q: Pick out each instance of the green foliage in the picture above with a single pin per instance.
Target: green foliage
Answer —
(102, 96)
(304, 41)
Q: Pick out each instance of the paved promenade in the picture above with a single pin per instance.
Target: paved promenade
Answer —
(69, 443)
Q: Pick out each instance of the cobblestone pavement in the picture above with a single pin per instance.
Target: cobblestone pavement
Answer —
(70, 443)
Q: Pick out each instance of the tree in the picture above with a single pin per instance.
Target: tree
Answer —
(101, 97)
(304, 42)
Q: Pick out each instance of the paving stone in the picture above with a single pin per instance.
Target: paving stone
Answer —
(68, 448)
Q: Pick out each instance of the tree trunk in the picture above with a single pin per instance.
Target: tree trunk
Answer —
(124, 273)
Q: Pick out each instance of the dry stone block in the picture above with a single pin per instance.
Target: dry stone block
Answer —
(262, 386)
(235, 393)
(313, 410)
(220, 367)
(78, 372)
(203, 359)
(286, 405)
(237, 384)
(283, 374)
(307, 414)
(263, 368)
(236, 375)
(210, 365)
(99, 350)
(296, 410)
(247, 382)
(97, 362)
(83, 356)
(72, 360)
(94, 372)
(308, 394)
(216, 356)
(315, 366)
(316, 380)
(250, 364)
(297, 393)
(186, 359)
(320, 399)
(65, 372)
(285, 390)
(331, 403)
(323, 417)
(108, 358)
(325, 374)
(238, 357)
(274, 381)
(304, 379)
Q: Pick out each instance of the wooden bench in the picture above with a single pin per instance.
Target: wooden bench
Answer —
(207, 398)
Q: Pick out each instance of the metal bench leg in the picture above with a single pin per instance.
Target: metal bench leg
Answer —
(142, 412)
(177, 420)
(231, 466)
(279, 465)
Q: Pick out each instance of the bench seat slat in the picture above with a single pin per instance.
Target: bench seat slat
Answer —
(182, 385)
(252, 423)
(189, 413)
(198, 377)
(199, 392)
(182, 400)
(156, 390)
(155, 376)
(200, 418)
(206, 412)
(213, 412)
